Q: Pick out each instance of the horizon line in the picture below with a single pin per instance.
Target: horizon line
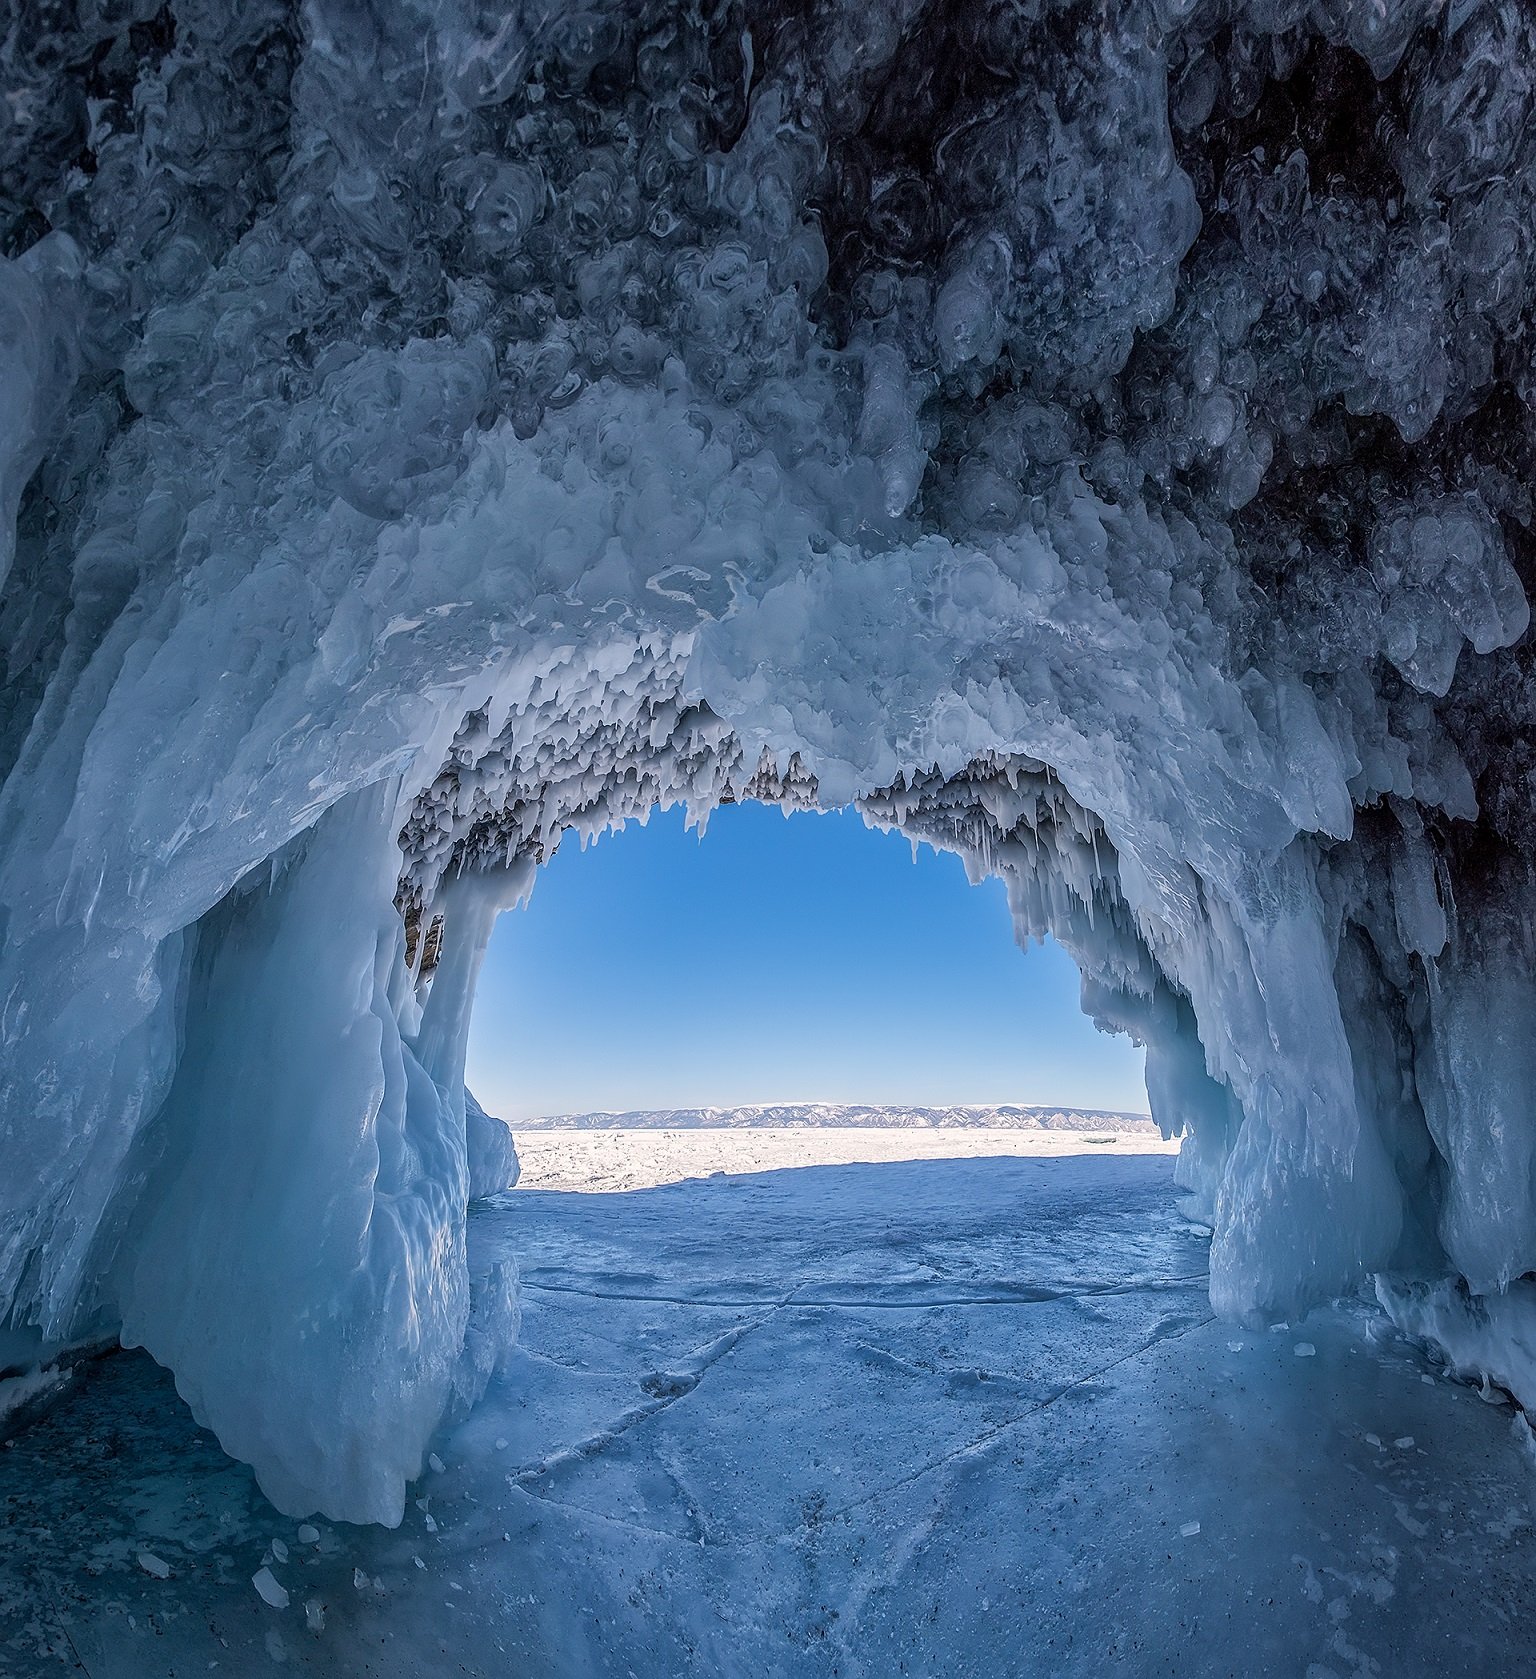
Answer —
(826, 1102)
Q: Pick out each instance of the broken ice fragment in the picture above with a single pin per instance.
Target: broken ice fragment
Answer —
(434, 1463)
(1403, 1442)
(1305, 1349)
(151, 1564)
(268, 1589)
(279, 1550)
(314, 1614)
(1189, 1530)
(359, 1580)
(309, 1535)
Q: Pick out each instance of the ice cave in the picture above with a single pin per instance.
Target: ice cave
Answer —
(1094, 437)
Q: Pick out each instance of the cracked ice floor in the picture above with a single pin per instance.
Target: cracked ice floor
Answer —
(947, 1418)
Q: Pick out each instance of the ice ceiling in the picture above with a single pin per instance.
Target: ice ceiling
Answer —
(1095, 437)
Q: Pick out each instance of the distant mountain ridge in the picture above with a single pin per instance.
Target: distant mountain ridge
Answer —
(789, 1115)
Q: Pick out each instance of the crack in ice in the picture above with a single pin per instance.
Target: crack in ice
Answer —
(985, 1440)
(1022, 1295)
(673, 1385)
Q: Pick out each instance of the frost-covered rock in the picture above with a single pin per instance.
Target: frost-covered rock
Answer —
(1096, 440)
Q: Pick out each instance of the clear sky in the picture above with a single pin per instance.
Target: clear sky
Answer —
(777, 960)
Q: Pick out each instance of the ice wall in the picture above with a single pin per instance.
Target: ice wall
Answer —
(1096, 438)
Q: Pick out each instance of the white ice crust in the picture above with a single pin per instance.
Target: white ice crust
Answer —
(425, 437)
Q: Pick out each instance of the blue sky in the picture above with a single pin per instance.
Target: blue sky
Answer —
(776, 959)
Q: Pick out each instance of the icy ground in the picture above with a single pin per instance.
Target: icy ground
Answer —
(943, 1418)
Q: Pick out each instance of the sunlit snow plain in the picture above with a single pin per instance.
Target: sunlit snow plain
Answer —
(943, 1417)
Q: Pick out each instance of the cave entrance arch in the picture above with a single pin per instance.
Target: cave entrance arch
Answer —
(507, 798)
(325, 1004)
(398, 401)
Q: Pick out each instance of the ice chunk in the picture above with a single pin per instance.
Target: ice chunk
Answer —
(151, 1564)
(268, 1589)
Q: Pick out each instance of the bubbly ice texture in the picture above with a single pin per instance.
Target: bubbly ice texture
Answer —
(1097, 441)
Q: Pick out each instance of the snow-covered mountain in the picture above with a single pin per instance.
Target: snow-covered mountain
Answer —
(1009, 1117)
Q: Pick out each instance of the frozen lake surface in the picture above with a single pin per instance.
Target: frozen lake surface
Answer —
(957, 1417)
(612, 1159)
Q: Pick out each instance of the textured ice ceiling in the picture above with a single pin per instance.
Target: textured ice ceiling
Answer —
(1097, 437)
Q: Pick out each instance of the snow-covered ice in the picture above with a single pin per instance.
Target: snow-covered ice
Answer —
(597, 1160)
(969, 1417)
